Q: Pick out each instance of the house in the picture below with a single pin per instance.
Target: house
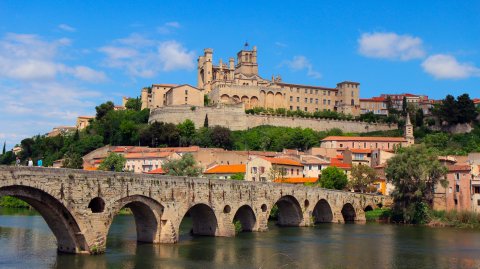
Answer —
(457, 194)
(357, 156)
(83, 121)
(225, 171)
(313, 166)
(142, 162)
(265, 169)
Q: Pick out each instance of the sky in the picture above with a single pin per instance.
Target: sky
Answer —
(59, 59)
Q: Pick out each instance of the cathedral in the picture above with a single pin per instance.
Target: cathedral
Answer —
(239, 82)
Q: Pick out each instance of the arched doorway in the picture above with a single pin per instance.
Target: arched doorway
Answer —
(246, 217)
(289, 212)
(202, 221)
(322, 212)
(61, 222)
(348, 213)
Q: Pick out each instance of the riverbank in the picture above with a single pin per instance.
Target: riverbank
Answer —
(12, 202)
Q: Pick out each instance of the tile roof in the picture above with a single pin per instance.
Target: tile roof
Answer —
(147, 155)
(283, 161)
(227, 169)
(156, 171)
(296, 180)
(373, 99)
(459, 167)
(361, 150)
(365, 138)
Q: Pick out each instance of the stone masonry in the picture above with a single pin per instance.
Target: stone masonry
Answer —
(235, 118)
(79, 206)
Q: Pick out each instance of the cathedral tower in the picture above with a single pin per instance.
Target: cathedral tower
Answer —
(409, 131)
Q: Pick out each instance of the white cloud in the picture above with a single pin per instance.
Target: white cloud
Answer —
(443, 66)
(67, 28)
(390, 46)
(280, 44)
(302, 63)
(142, 57)
(174, 56)
(29, 58)
(167, 27)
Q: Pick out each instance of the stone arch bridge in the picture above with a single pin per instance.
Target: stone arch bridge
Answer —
(79, 206)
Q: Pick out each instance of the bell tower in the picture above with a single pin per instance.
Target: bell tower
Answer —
(247, 61)
(409, 131)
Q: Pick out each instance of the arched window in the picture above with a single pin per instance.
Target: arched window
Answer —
(353, 102)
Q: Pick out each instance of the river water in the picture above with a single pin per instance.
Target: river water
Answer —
(27, 242)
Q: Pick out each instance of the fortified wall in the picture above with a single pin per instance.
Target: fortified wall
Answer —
(235, 118)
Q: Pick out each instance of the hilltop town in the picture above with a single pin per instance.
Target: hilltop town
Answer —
(300, 130)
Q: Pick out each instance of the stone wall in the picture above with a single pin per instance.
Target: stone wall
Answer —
(79, 206)
(235, 118)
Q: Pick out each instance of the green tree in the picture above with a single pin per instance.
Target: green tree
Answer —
(4, 148)
(238, 176)
(276, 172)
(221, 137)
(186, 166)
(362, 176)
(206, 100)
(103, 109)
(72, 160)
(414, 171)
(419, 117)
(333, 178)
(187, 132)
(134, 104)
(205, 122)
(404, 105)
(113, 162)
(466, 109)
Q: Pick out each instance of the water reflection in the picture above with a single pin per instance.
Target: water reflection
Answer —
(26, 241)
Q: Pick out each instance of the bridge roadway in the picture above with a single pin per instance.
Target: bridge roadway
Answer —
(79, 206)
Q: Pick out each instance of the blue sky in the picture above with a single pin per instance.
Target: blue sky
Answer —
(58, 59)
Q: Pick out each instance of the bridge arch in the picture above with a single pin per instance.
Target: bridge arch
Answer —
(348, 213)
(289, 211)
(204, 220)
(246, 217)
(368, 208)
(322, 212)
(59, 219)
(147, 213)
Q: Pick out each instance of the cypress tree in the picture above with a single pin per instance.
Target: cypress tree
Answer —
(4, 147)
(205, 123)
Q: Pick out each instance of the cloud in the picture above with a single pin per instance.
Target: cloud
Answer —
(167, 27)
(302, 63)
(29, 58)
(390, 46)
(67, 28)
(280, 44)
(443, 66)
(142, 57)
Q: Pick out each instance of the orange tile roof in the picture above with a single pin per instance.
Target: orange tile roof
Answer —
(361, 151)
(147, 155)
(283, 161)
(227, 169)
(459, 167)
(339, 164)
(365, 138)
(373, 99)
(296, 180)
(156, 171)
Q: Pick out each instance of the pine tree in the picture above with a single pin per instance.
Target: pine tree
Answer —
(4, 147)
(205, 123)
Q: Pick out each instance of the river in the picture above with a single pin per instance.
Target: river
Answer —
(27, 242)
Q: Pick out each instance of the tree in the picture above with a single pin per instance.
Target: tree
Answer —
(113, 162)
(238, 176)
(448, 111)
(404, 105)
(276, 172)
(134, 104)
(206, 100)
(466, 109)
(205, 122)
(187, 132)
(419, 117)
(415, 172)
(4, 148)
(186, 166)
(362, 176)
(103, 109)
(390, 108)
(72, 160)
(333, 178)
(221, 137)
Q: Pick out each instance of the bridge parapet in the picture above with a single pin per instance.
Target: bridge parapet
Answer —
(79, 206)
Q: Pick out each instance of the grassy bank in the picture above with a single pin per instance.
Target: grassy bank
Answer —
(460, 219)
(378, 215)
(12, 202)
